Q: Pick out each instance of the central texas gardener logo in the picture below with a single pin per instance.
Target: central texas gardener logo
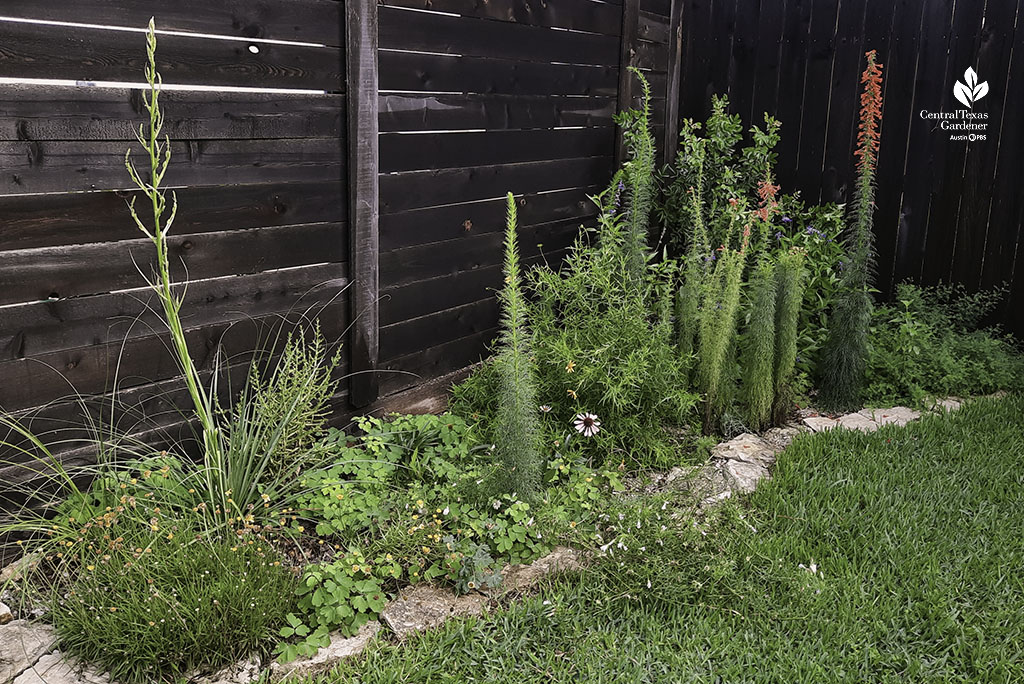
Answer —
(970, 92)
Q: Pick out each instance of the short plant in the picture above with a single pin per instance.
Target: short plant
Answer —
(154, 599)
(339, 596)
(846, 350)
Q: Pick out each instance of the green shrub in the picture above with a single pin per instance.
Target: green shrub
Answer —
(927, 344)
(296, 396)
(154, 599)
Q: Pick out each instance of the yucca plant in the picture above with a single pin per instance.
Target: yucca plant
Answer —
(518, 425)
(844, 359)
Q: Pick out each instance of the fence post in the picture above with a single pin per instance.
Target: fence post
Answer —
(675, 54)
(363, 197)
(627, 58)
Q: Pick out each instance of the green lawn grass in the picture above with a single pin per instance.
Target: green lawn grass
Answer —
(918, 535)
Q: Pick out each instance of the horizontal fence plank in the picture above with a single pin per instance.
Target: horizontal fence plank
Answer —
(59, 272)
(651, 56)
(44, 327)
(409, 71)
(93, 370)
(31, 167)
(412, 152)
(578, 15)
(423, 262)
(659, 7)
(98, 54)
(408, 336)
(418, 189)
(39, 112)
(413, 111)
(310, 21)
(31, 221)
(408, 371)
(438, 33)
(449, 222)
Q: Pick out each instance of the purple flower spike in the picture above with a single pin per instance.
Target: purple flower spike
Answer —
(786, 219)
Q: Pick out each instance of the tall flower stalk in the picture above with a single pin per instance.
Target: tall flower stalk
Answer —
(845, 354)
(158, 150)
(518, 425)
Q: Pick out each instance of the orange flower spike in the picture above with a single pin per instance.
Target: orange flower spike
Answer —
(870, 113)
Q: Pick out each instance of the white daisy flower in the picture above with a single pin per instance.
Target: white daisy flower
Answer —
(545, 409)
(587, 424)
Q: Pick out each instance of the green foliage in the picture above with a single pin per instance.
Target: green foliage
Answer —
(815, 232)
(154, 599)
(295, 396)
(516, 416)
(603, 338)
(759, 354)
(854, 563)
(928, 344)
(339, 596)
(638, 176)
(717, 323)
(709, 171)
(789, 291)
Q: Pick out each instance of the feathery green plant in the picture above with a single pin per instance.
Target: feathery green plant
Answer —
(789, 288)
(518, 425)
(759, 357)
(846, 350)
(719, 311)
(639, 178)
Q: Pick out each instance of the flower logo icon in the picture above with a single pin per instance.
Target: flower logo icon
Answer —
(970, 92)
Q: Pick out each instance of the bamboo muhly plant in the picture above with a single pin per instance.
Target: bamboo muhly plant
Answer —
(845, 353)
(639, 178)
(789, 289)
(518, 425)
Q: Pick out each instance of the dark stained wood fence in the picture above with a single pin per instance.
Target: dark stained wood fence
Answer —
(279, 190)
(472, 106)
(947, 210)
(262, 226)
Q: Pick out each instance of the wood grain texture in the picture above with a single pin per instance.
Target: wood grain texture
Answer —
(44, 113)
(71, 271)
(33, 221)
(98, 54)
(364, 197)
(310, 21)
(438, 33)
(76, 166)
(439, 112)
(577, 15)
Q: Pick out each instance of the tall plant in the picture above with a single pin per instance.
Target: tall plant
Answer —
(518, 425)
(238, 474)
(846, 351)
(789, 291)
(639, 178)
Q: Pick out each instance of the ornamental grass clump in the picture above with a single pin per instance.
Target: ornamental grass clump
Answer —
(789, 293)
(845, 355)
(517, 425)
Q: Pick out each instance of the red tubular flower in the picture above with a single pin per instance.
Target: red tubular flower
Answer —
(870, 115)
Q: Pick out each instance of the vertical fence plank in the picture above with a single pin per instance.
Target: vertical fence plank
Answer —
(627, 58)
(675, 47)
(361, 71)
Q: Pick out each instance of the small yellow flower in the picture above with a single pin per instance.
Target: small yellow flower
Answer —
(146, 475)
(90, 568)
(570, 367)
(571, 393)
